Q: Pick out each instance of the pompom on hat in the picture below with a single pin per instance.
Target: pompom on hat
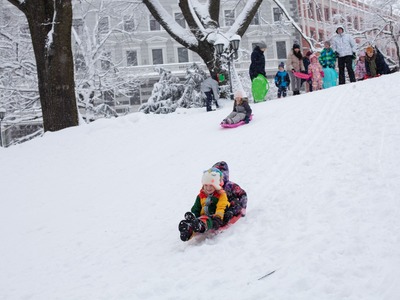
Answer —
(281, 64)
(212, 176)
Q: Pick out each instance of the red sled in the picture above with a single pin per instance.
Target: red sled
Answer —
(302, 75)
(234, 125)
(202, 236)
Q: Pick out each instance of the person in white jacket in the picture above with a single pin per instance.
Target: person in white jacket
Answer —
(345, 49)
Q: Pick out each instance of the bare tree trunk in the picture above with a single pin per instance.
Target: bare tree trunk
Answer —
(50, 24)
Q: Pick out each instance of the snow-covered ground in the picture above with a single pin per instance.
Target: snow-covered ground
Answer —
(92, 212)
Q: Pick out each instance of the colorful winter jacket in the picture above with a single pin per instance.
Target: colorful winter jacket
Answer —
(214, 204)
(360, 70)
(327, 59)
(315, 70)
(282, 79)
(237, 197)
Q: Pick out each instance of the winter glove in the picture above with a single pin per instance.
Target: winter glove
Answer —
(354, 55)
(276, 84)
(336, 54)
(246, 120)
(216, 222)
(322, 74)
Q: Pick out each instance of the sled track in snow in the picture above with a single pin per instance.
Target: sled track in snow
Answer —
(283, 171)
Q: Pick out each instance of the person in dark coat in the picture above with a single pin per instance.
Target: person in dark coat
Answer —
(257, 65)
(375, 64)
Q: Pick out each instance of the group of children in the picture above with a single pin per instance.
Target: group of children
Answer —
(321, 68)
(218, 201)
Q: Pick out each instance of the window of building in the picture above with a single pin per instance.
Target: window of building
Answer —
(256, 19)
(311, 11)
(104, 25)
(319, 14)
(129, 24)
(327, 14)
(24, 29)
(229, 17)
(281, 50)
(183, 55)
(105, 61)
(312, 34)
(321, 36)
(134, 97)
(277, 14)
(355, 23)
(154, 25)
(80, 64)
(180, 19)
(77, 24)
(157, 56)
(108, 97)
(131, 58)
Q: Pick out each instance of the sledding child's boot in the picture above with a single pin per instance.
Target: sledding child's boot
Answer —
(186, 230)
(197, 225)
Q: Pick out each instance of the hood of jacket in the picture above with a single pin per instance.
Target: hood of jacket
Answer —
(223, 167)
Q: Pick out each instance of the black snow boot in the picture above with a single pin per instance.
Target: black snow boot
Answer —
(186, 230)
(197, 225)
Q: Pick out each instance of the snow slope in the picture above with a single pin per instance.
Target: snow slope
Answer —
(92, 212)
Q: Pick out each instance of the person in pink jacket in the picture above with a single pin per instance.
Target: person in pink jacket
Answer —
(316, 72)
(360, 69)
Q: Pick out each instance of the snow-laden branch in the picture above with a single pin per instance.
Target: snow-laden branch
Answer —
(294, 23)
(184, 36)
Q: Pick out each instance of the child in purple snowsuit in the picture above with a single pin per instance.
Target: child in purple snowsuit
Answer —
(237, 197)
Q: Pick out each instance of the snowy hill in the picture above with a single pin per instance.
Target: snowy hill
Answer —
(92, 212)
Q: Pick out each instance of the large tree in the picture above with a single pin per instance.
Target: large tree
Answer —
(50, 24)
(204, 26)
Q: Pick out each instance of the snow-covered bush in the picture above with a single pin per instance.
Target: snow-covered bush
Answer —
(170, 92)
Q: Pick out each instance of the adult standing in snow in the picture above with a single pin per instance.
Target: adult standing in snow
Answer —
(257, 65)
(295, 64)
(210, 88)
(345, 49)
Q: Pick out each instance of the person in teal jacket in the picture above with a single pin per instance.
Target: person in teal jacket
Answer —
(327, 59)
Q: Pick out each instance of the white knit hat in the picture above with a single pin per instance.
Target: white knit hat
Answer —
(212, 176)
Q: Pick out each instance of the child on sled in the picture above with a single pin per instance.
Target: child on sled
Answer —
(237, 197)
(209, 208)
(241, 110)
